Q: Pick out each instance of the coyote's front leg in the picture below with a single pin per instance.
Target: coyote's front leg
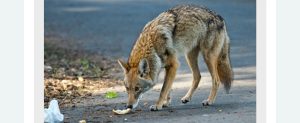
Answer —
(171, 68)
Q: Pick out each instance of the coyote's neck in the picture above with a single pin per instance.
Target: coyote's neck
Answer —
(141, 49)
(144, 49)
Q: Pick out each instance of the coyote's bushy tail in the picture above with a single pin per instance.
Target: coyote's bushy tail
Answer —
(224, 66)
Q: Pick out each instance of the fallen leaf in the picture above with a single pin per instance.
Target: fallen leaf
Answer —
(111, 95)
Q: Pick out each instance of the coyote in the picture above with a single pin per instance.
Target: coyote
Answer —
(183, 30)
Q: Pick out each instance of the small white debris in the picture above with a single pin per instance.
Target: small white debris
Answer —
(82, 121)
(52, 114)
(205, 115)
(80, 79)
(47, 68)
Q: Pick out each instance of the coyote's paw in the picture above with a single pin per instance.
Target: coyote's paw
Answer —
(155, 108)
(206, 102)
(185, 99)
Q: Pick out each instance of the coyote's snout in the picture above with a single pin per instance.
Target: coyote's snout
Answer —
(137, 81)
(183, 30)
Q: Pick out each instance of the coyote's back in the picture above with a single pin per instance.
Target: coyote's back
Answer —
(196, 26)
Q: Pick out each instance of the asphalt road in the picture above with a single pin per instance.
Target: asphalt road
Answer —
(110, 27)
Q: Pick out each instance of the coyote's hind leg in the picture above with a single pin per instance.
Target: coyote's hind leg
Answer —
(192, 60)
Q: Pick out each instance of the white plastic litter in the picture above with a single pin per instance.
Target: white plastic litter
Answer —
(52, 114)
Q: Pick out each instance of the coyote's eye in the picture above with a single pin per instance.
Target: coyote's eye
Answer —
(137, 89)
(141, 74)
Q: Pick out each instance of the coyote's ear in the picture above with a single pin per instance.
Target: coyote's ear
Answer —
(144, 68)
(123, 65)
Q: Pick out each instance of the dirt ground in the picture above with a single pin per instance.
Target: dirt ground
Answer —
(71, 75)
(84, 39)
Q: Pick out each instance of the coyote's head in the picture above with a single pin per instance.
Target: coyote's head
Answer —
(137, 81)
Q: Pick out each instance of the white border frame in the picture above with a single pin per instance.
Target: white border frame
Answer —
(33, 61)
(271, 45)
(39, 61)
(29, 61)
(266, 87)
(260, 61)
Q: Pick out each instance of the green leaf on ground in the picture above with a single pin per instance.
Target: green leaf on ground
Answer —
(111, 95)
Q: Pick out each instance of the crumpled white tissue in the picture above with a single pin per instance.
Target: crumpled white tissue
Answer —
(52, 114)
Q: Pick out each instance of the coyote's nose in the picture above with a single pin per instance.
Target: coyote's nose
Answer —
(129, 106)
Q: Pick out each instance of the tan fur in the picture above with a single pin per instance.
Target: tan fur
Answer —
(183, 30)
